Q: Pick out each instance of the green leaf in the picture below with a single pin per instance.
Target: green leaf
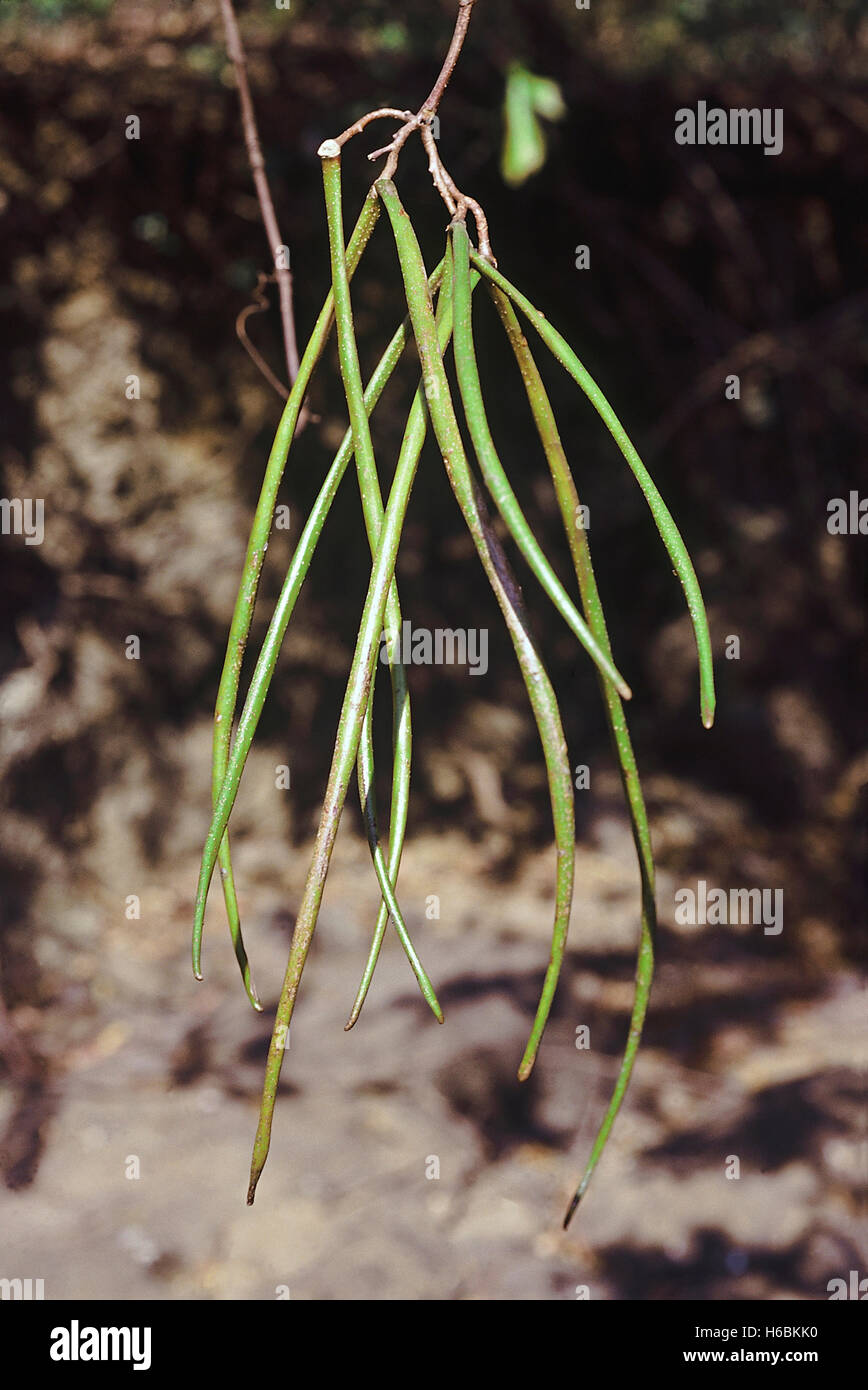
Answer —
(527, 98)
(547, 99)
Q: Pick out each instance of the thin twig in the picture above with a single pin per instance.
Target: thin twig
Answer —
(421, 120)
(436, 94)
(255, 157)
(258, 305)
(443, 181)
(383, 113)
(456, 201)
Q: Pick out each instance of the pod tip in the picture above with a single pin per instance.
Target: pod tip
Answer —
(571, 1210)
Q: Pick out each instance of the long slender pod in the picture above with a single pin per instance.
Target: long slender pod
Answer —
(493, 472)
(227, 694)
(540, 692)
(557, 765)
(669, 532)
(233, 915)
(397, 830)
(270, 651)
(355, 702)
(386, 874)
(372, 507)
(267, 661)
(444, 329)
(432, 329)
(577, 537)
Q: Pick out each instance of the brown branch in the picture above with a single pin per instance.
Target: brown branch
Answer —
(255, 158)
(258, 305)
(436, 94)
(457, 203)
(383, 113)
(423, 117)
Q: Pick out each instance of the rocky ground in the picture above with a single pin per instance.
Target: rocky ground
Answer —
(147, 1104)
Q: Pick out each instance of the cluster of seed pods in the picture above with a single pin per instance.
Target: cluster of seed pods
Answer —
(439, 314)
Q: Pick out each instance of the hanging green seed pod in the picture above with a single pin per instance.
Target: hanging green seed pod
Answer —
(267, 661)
(540, 692)
(681, 561)
(492, 469)
(242, 616)
(346, 750)
(383, 524)
(577, 538)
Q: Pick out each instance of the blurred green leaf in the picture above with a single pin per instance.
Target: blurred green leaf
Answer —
(547, 98)
(394, 38)
(527, 98)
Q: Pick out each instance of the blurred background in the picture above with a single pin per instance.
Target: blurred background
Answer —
(130, 1092)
